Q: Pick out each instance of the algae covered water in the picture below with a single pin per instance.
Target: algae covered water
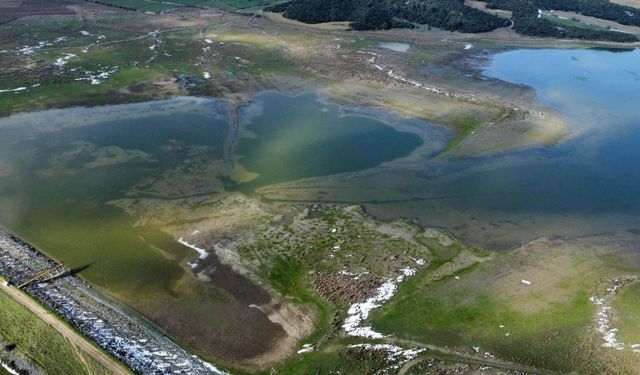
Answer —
(64, 172)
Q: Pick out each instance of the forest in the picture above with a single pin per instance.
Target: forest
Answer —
(454, 15)
(450, 15)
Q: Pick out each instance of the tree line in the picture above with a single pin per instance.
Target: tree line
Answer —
(450, 15)
(453, 15)
(527, 19)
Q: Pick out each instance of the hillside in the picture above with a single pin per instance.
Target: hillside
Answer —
(375, 15)
(454, 15)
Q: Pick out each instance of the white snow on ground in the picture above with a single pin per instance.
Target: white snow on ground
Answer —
(393, 351)
(27, 50)
(306, 348)
(9, 369)
(208, 41)
(407, 272)
(13, 90)
(96, 78)
(603, 321)
(206, 75)
(212, 368)
(395, 354)
(62, 61)
(203, 253)
(420, 262)
(85, 33)
(359, 312)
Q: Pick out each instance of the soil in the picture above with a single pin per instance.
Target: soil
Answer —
(339, 288)
(12, 9)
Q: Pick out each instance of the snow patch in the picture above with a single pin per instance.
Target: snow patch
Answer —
(395, 353)
(13, 90)
(359, 312)
(62, 61)
(203, 254)
(9, 369)
(306, 348)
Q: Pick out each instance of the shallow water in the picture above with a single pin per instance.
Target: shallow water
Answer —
(60, 169)
(287, 138)
(395, 46)
(585, 185)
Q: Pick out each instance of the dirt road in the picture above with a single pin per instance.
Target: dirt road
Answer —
(66, 331)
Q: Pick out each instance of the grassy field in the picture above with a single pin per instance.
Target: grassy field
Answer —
(159, 6)
(627, 307)
(41, 344)
(547, 324)
(572, 23)
(141, 5)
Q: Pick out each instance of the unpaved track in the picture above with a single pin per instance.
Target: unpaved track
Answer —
(66, 331)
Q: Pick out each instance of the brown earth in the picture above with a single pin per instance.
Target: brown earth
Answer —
(13, 9)
(342, 288)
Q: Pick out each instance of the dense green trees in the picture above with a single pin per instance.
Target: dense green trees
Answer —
(594, 8)
(383, 14)
(526, 19)
(453, 15)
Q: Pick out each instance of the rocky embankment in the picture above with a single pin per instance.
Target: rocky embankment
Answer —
(115, 328)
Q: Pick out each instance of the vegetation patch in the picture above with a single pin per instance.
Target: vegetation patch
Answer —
(42, 345)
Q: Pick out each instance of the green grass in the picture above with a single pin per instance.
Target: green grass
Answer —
(453, 313)
(336, 360)
(572, 23)
(627, 311)
(236, 4)
(141, 5)
(159, 6)
(40, 343)
(287, 277)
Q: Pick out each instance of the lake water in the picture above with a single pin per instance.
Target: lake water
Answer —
(66, 175)
(287, 138)
(585, 185)
(60, 169)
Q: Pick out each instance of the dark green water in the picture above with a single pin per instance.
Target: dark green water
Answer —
(292, 137)
(60, 169)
